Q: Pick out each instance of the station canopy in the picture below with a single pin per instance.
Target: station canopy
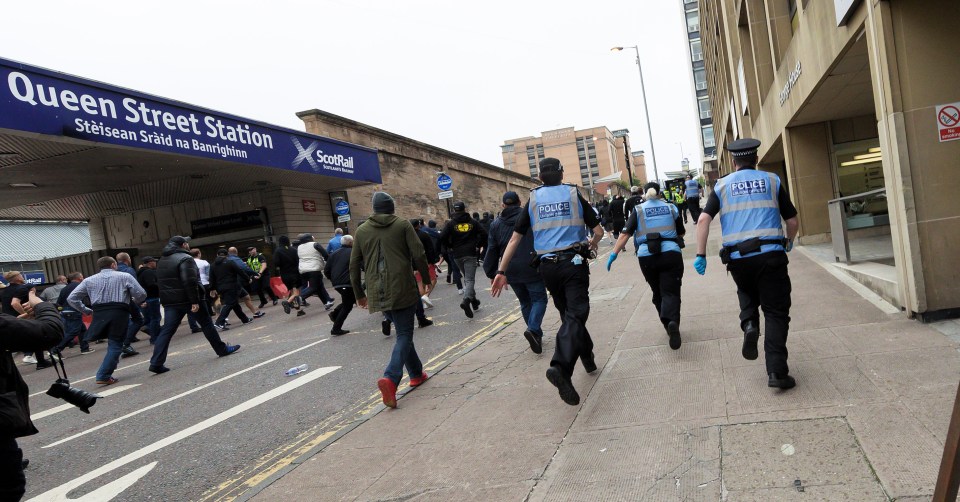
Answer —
(75, 149)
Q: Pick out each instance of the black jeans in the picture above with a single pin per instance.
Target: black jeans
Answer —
(229, 301)
(73, 327)
(172, 315)
(13, 483)
(314, 281)
(763, 283)
(664, 274)
(347, 299)
(261, 286)
(693, 205)
(569, 284)
(136, 322)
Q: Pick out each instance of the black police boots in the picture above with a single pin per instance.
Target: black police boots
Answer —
(673, 331)
(750, 335)
(781, 381)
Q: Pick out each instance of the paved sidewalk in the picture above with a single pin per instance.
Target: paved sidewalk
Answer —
(866, 421)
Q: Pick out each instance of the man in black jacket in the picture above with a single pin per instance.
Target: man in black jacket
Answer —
(180, 293)
(40, 332)
(147, 277)
(526, 281)
(225, 278)
(463, 236)
(337, 269)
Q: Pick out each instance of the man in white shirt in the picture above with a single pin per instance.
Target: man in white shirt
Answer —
(204, 267)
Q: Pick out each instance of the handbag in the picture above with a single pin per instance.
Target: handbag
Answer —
(279, 288)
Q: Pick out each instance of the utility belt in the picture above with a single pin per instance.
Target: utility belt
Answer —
(655, 242)
(581, 249)
(746, 247)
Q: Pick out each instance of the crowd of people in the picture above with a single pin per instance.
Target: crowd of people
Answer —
(391, 266)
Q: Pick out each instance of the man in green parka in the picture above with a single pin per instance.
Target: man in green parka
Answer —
(384, 247)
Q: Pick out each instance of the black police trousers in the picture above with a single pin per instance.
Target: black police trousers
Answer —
(664, 274)
(763, 283)
(569, 285)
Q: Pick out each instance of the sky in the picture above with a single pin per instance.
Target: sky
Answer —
(463, 76)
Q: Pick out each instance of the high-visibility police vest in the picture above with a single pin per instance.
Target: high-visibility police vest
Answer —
(656, 216)
(678, 197)
(749, 208)
(254, 263)
(693, 188)
(556, 218)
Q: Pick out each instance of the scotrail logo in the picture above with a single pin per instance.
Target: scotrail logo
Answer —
(305, 154)
(317, 159)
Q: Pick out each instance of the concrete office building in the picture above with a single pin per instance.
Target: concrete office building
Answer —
(855, 102)
(708, 146)
(589, 156)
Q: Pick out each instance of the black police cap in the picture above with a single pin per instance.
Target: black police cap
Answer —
(550, 164)
(743, 147)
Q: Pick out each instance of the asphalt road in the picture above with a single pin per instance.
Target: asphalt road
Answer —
(212, 426)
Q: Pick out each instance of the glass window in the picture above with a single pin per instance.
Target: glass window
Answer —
(700, 79)
(693, 21)
(696, 50)
(708, 139)
(704, 104)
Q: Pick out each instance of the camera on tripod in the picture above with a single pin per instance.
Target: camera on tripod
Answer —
(61, 389)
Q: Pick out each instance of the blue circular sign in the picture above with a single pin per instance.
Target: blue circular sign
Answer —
(444, 182)
(342, 208)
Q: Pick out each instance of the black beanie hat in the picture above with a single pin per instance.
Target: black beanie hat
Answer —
(383, 203)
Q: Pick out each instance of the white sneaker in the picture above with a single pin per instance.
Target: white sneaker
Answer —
(328, 305)
(29, 359)
(459, 291)
(426, 302)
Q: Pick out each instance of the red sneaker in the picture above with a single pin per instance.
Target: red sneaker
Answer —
(415, 381)
(389, 391)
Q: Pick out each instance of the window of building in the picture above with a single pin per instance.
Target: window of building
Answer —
(704, 104)
(860, 169)
(696, 50)
(540, 151)
(507, 148)
(708, 139)
(693, 21)
(700, 79)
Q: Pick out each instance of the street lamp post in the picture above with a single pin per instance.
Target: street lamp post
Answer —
(643, 90)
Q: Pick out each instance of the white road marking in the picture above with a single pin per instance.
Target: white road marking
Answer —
(60, 493)
(183, 394)
(64, 407)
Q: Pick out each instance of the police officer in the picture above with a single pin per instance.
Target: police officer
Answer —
(693, 192)
(657, 230)
(751, 204)
(559, 218)
(680, 201)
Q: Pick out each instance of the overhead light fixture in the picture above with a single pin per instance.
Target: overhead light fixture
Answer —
(868, 156)
(23, 185)
(875, 149)
(117, 168)
(36, 204)
(8, 155)
(861, 161)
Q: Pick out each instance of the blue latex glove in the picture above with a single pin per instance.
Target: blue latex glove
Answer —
(789, 245)
(700, 264)
(610, 260)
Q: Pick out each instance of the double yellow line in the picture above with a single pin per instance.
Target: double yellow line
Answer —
(314, 437)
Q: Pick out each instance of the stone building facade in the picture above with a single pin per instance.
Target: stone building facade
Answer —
(409, 169)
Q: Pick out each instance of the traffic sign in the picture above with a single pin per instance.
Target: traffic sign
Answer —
(444, 182)
(446, 195)
(948, 121)
(342, 207)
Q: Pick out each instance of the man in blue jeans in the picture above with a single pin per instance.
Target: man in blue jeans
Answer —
(525, 280)
(181, 293)
(388, 245)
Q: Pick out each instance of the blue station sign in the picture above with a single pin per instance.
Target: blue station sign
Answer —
(342, 207)
(40, 101)
(444, 182)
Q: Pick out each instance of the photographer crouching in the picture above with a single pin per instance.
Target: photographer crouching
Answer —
(38, 329)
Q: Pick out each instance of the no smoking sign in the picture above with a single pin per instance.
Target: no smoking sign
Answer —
(948, 121)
